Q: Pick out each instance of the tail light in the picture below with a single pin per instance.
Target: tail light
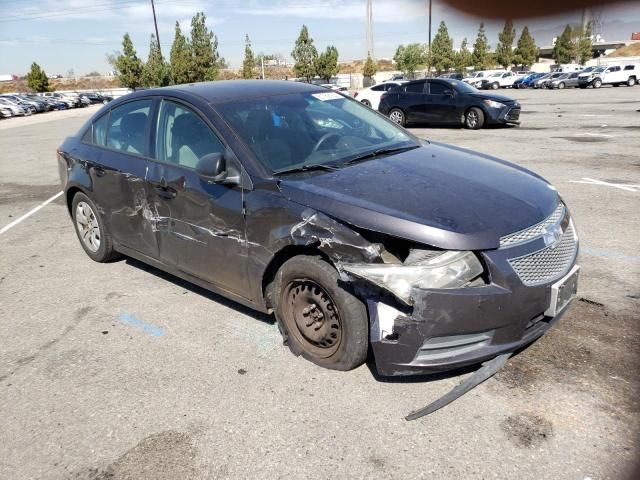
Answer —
(355, 94)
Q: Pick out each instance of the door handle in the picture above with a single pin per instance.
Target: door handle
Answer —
(166, 192)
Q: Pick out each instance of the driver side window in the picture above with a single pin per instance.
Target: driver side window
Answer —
(182, 137)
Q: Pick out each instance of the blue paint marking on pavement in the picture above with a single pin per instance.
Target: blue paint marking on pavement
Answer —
(133, 321)
(597, 252)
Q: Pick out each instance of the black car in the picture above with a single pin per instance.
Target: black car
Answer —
(452, 76)
(302, 202)
(97, 98)
(447, 102)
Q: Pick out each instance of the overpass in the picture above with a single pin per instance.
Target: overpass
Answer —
(598, 48)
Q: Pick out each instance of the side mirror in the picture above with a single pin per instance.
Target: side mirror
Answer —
(448, 93)
(214, 168)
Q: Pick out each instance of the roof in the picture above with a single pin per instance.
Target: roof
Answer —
(231, 90)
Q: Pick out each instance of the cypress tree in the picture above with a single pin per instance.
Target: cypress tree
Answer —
(304, 53)
(129, 65)
(480, 56)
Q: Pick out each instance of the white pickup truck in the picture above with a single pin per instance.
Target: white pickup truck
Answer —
(616, 75)
(499, 80)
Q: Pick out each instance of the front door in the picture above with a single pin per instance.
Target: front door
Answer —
(441, 103)
(200, 225)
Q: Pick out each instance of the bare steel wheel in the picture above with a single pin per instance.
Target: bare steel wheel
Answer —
(87, 226)
(319, 317)
(92, 232)
(312, 317)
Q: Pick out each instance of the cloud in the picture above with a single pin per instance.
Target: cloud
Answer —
(384, 11)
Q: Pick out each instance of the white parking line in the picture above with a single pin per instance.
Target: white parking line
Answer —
(621, 186)
(29, 213)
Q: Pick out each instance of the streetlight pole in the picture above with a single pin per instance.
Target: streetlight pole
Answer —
(429, 48)
(155, 22)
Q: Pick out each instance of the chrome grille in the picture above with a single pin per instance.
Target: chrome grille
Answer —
(535, 231)
(549, 263)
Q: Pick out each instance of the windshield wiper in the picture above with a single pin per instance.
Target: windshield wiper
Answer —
(307, 168)
(380, 152)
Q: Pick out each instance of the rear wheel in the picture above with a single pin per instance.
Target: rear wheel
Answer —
(91, 230)
(397, 116)
(474, 118)
(631, 82)
(366, 102)
(320, 320)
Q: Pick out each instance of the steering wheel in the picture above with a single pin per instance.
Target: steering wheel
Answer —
(323, 139)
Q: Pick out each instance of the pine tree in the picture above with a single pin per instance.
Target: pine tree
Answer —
(463, 57)
(504, 49)
(304, 53)
(526, 53)
(442, 55)
(326, 64)
(37, 79)
(563, 49)
(180, 58)
(480, 57)
(155, 72)
(370, 67)
(584, 46)
(249, 62)
(129, 65)
(409, 58)
(205, 61)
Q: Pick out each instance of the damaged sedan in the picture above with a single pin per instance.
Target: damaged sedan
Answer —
(301, 202)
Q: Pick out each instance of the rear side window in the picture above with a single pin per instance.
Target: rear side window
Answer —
(379, 88)
(438, 88)
(630, 67)
(415, 88)
(127, 125)
(99, 136)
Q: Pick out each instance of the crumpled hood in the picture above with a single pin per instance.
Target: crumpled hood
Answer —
(437, 194)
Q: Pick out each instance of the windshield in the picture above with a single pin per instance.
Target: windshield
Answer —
(462, 87)
(294, 130)
(497, 74)
(599, 69)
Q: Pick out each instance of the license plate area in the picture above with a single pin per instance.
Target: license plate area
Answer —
(562, 292)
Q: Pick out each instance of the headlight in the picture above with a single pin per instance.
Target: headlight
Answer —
(493, 104)
(451, 269)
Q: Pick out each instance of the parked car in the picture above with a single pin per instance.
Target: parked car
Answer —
(566, 80)
(476, 78)
(526, 81)
(453, 76)
(50, 103)
(370, 96)
(5, 112)
(498, 80)
(352, 231)
(71, 102)
(97, 98)
(447, 102)
(543, 80)
(615, 75)
(16, 110)
(32, 107)
(336, 88)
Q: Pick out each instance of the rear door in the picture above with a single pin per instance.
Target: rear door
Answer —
(199, 225)
(441, 103)
(413, 100)
(117, 144)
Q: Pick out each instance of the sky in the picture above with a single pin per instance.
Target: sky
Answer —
(63, 35)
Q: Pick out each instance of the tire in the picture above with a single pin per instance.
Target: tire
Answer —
(94, 238)
(597, 83)
(366, 103)
(397, 116)
(631, 81)
(561, 85)
(495, 86)
(474, 118)
(319, 319)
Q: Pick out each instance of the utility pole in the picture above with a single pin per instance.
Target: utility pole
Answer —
(369, 29)
(429, 48)
(155, 22)
(262, 66)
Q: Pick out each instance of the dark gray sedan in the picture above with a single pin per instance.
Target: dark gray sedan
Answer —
(566, 80)
(302, 202)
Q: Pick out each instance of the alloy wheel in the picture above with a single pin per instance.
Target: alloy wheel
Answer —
(472, 119)
(88, 227)
(312, 317)
(396, 116)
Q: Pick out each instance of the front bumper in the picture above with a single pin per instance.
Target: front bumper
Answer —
(509, 115)
(449, 329)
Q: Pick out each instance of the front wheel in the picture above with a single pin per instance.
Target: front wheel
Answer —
(397, 116)
(474, 118)
(495, 86)
(320, 320)
(561, 85)
(92, 232)
(597, 83)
